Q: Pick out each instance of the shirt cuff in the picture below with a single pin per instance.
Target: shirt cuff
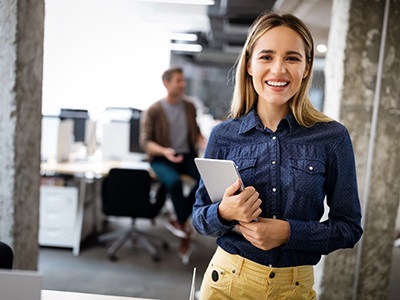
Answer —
(219, 222)
(299, 235)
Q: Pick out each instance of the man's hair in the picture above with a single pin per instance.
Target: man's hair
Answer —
(167, 75)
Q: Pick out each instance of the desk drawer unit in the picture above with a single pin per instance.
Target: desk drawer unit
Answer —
(58, 212)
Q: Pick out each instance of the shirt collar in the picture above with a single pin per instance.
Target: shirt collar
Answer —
(291, 121)
(251, 120)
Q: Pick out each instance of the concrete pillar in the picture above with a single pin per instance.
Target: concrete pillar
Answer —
(21, 65)
(367, 94)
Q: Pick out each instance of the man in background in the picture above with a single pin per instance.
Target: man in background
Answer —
(171, 138)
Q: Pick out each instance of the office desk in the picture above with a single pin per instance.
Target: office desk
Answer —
(90, 168)
(59, 295)
(67, 226)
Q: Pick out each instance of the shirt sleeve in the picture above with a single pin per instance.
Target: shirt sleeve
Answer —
(145, 128)
(342, 229)
(194, 128)
(205, 217)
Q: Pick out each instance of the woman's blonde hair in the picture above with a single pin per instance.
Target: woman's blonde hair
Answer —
(244, 94)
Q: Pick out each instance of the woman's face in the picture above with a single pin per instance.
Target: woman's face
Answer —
(277, 65)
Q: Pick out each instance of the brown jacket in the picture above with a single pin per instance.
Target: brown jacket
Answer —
(154, 126)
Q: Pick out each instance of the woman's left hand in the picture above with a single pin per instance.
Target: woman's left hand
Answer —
(267, 233)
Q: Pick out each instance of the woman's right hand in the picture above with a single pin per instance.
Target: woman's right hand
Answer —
(242, 207)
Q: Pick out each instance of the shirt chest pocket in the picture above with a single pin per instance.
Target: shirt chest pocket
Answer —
(308, 175)
(246, 167)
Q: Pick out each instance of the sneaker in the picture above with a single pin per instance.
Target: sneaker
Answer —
(185, 250)
(176, 229)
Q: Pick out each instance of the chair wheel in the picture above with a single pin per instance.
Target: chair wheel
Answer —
(165, 246)
(156, 258)
(112, 257)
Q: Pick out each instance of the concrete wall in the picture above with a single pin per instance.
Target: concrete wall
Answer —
(21, 64)
(370, 108)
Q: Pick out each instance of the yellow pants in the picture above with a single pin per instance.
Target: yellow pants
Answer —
(234, 277)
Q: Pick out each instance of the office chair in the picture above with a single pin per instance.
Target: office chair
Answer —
(133, 193)
(6, 256)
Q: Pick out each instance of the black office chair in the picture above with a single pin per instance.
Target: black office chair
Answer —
(6, 256)
(133, 193)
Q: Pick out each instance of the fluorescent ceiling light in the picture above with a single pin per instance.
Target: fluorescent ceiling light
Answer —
(186, 47)
(188, 37)
(194, 2)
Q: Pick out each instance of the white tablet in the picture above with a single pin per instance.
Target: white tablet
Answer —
(217, 175)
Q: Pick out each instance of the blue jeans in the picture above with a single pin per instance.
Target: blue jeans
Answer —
(169, 173)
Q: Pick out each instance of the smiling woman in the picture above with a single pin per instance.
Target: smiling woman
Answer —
(290, 157)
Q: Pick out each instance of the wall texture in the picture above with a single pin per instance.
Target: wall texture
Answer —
(21, 64)
(363, 95)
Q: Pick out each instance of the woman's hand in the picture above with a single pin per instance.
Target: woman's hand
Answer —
(242, 207)
(266, 233)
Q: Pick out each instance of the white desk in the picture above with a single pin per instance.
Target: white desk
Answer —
(86, 172)
(90, 168)
(59, 295)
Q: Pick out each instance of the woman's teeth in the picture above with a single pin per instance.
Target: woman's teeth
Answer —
(277, 83)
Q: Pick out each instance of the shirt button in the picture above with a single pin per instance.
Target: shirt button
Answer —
(274, 217)
(311, 168)
(273, 162)
(272, 275)
(274, 138)
(274, 190)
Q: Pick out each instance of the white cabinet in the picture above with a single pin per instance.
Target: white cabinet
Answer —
(67, 216)
(58, 212)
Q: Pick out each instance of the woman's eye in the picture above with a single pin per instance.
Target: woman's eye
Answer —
(293, 58)
(266, 57)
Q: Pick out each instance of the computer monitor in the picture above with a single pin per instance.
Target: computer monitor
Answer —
(64, 142)
(134, 146)
(49, 137)
(115, 140)
(56, 139)
(79, 116)
(120, 134)
(90, 137)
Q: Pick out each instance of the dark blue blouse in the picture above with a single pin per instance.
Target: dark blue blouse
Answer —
(293, 169)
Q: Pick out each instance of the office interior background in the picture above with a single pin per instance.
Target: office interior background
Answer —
(100, 55)
(112, 56)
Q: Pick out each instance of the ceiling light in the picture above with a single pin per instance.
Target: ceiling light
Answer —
(321, 48)
(187, 37)
(194, 2)
(186, 47)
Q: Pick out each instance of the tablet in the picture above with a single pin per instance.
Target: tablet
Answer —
(217, 175)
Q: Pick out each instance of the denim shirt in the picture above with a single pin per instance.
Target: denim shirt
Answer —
(293, 169)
